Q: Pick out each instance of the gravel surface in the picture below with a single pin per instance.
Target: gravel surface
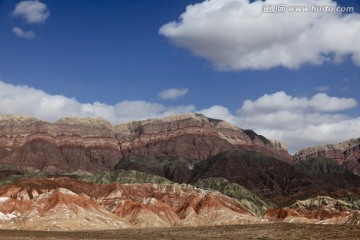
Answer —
(256, 232)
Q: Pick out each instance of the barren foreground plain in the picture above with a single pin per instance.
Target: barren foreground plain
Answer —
(256, 232)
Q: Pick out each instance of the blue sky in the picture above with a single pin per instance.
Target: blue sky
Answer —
(288, 76)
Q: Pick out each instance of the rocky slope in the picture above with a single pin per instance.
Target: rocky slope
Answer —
(176, 169)
(271, 179)
(121, 176)
(131, 175)
(319, 210)
(249, 200)
(330, 172)
(69, 204)
(347, 154)
(243, 195)
(95, 145)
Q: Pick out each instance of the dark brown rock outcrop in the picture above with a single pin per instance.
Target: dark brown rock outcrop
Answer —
(95, 145)
(273, 180)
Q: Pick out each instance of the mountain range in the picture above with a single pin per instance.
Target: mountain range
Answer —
(182, 170)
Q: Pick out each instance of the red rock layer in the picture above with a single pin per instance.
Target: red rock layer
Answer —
(95, 145)
(346, 154)
(320, 210)
(64, 204)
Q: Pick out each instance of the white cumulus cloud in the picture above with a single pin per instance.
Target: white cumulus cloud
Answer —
(280, 101)
(24, 100)
(219, 112)
(32, 11)
(299, 121)
(23, 34)
(237, 35)
(173, 93)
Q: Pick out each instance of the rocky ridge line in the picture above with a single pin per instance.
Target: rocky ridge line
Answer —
(347, 154)
(95, 145)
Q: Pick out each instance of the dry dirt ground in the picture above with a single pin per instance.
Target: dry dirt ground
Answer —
(256, 232)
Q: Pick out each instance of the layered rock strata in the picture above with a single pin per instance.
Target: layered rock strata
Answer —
(319, 210)
(68, 204)
(347, 154)
(95, 145)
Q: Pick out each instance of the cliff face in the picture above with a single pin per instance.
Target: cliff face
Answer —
(95, 145)
(191, 136)
(347, 154)
(67, 145)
